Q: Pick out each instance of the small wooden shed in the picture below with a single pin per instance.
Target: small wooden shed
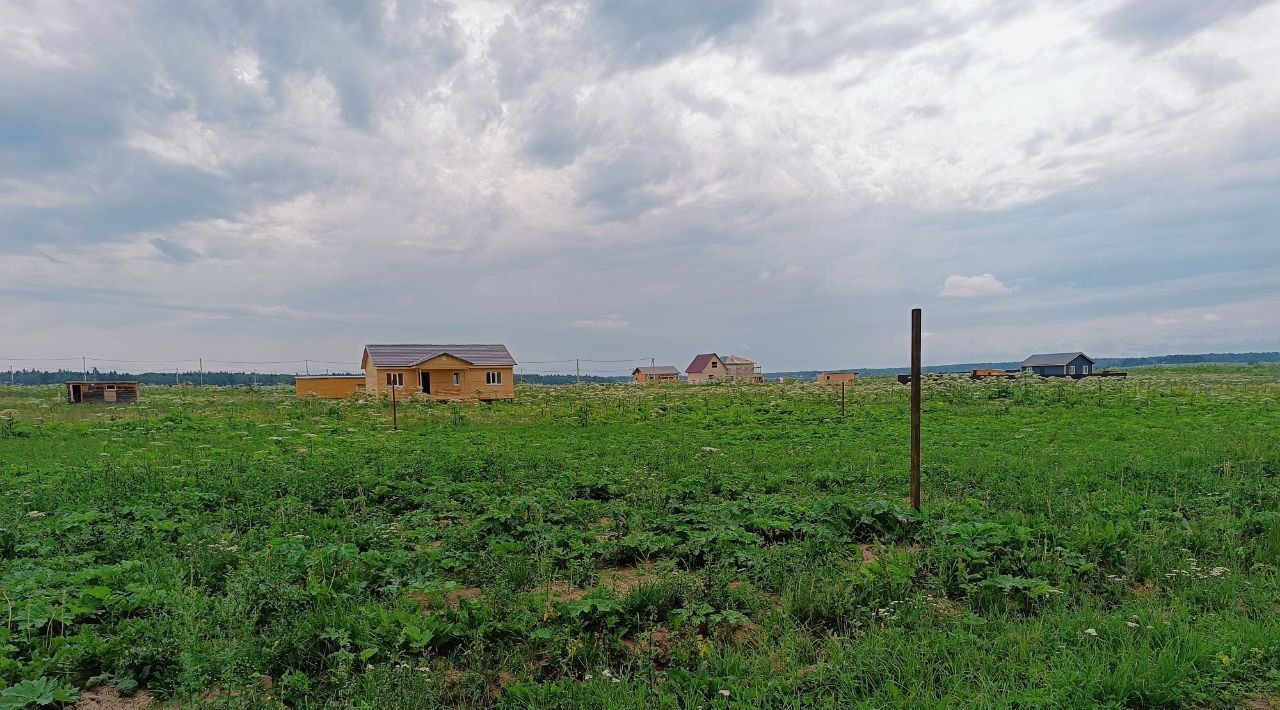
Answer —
(660, 373)
(835, 378)
(328, 386)
(106, 391)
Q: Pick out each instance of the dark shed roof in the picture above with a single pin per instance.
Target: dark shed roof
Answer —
(700, 362)
(659, 370)
(1052, 359)
(410, 355)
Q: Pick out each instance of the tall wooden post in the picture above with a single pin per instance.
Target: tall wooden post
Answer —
(842, 400)
(202, 372)
(577, 368)
(915, 408)
(395, 421)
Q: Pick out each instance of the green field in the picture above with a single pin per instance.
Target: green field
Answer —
(1102, 542)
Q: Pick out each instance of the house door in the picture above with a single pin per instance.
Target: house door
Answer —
(425, 378)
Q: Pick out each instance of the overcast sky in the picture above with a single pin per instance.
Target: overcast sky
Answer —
(627, 178)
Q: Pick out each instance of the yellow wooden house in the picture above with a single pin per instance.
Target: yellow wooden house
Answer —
(442, 372)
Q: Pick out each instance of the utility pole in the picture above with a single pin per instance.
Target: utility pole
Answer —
(651, 361)
(307, 365)
(175, 375)
(915, 408)
(84, 365)
(577, 368)
(202, 372)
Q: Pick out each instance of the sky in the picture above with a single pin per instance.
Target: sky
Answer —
(245, 181)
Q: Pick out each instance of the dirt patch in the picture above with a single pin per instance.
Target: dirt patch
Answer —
(455, 598)
(946, 608)
(746, 634)
(1262, 702)
(1145, 588)
(868, 553)
(621, 580)
(431, 546)
(561, 591)
(109, 698)
(655, 643)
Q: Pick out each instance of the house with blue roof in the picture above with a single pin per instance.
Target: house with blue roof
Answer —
(1075, 365)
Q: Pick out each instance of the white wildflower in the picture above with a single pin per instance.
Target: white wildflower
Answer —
(36, 514)
(1091, 632)
(724, 692)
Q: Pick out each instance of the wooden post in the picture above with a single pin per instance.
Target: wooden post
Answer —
(842, 400)
(202, 372)
(577, 368)
(915, 408)
(395, 421)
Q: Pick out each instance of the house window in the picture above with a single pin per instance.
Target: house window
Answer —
(714, 364)
(1084, 369)
(493, 377)
(1071, 369)
(457, 379)
(395, 379)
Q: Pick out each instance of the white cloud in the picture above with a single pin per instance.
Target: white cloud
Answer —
(614, 322)
(1212, 317)
(957, 286)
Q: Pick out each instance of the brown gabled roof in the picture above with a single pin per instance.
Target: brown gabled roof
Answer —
(700, 362)
(736, 360)
(659, 370)
(410, 355)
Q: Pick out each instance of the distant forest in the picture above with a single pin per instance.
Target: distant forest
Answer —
(218, 379)
(246, 379)
(1103, 363)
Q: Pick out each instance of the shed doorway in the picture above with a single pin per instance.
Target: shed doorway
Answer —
(424, 378)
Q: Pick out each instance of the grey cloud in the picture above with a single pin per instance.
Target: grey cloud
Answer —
(1209, 72)
(625, 186)
(1163, 22)
(557, 131)
(644, 32)
(175, 251)
(810, 41)
(138, 195)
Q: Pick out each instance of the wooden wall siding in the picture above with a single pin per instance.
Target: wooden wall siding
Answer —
(328, 387)
(835, 378)
(473, 380)
(93, 393)
(645, 378)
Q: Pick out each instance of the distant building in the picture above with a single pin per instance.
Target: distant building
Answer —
(710, 367)
(1075, 365)
(651, 375)
(740, 368)
(707, 367)
(106, 391)
(441, 372)
(835, 378)
(328, 386)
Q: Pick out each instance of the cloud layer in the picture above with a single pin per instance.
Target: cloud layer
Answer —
(781, 179)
